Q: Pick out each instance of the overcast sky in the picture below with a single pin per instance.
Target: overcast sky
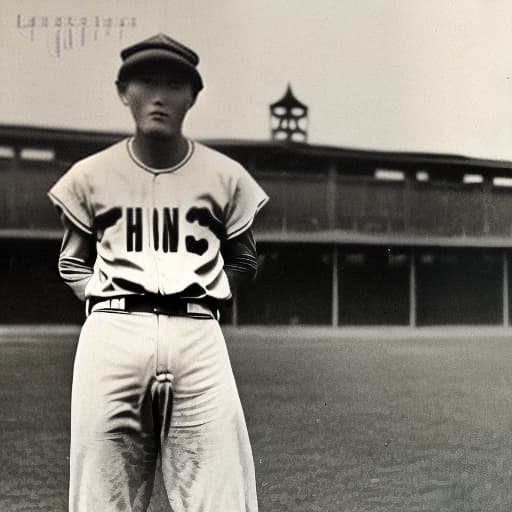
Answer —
(415, 75)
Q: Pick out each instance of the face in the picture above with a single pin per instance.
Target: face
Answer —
(159, 101)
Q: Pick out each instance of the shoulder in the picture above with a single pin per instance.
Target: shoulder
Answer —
(102, 160)
(87, 174)
(214, 159)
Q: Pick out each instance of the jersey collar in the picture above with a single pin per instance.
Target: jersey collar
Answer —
(186, 158)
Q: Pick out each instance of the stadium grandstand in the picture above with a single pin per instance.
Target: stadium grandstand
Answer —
(349, 238)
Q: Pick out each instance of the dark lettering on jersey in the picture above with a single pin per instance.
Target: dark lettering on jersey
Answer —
(134, 229)
(106, 219)
(156, 230)
(205, 218)
(195, 246)
(164, 224)
(170, 231)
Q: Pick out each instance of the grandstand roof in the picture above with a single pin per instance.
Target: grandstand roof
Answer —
(70, 144)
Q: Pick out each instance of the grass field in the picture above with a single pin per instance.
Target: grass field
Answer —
(339, 421)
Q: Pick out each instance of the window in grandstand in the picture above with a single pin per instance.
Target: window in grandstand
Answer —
(375, 292)
(397, 260)
(44, 155)
(284, 293)
(460, 287)
(6, 152)
(502, 182)
(470, 179)
(422, 176)
(427, 259)
(356, 259)
(389, 175)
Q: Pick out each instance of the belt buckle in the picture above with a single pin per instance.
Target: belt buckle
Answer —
(158, 309)
(167, 306)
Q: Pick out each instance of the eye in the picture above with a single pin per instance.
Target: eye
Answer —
(147, 80)
(174, 84)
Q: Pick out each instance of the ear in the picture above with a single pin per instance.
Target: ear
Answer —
(121, 91)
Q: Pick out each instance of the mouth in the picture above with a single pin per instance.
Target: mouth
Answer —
(158, 114)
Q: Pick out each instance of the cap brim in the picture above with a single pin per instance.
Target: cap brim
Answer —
(161, 58)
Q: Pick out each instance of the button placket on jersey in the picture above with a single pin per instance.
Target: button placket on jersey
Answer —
(151, 239)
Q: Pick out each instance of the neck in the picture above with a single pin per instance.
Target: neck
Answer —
(159, 153)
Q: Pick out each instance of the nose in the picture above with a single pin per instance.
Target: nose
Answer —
(158, 98)
(158, 94)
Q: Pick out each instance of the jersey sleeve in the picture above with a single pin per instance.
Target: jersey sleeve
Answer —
(246, 201)
(70, 195)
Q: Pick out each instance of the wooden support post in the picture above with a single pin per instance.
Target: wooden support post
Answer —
(335, 289)
(412, 289)
(332, 185)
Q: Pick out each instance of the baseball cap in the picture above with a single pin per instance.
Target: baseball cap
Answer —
(165, 51)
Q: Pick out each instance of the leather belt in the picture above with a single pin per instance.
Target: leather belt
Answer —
(170, 305)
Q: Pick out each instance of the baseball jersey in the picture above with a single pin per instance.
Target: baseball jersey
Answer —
(159, 230)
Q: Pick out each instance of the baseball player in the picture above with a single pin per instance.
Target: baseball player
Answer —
(157, 231)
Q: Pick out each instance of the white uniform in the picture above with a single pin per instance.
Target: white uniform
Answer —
(157, 232)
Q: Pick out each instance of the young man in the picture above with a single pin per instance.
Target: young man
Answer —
(157, 231)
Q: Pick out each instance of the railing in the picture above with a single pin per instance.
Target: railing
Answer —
(369, 206)
(310, 204)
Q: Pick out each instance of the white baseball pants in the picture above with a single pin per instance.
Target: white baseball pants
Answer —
(146, 384)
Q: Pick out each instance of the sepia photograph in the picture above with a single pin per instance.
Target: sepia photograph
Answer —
(255, 256)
